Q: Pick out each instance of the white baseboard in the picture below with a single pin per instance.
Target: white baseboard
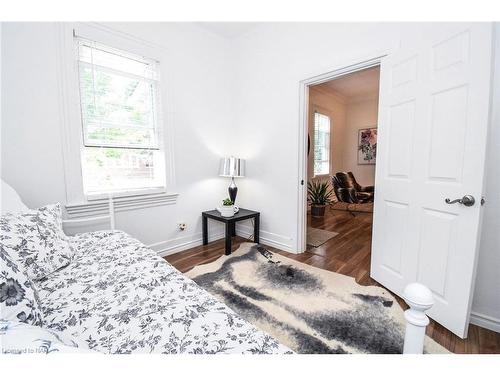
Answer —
(176, 245)
(485, 321)
(267, 238)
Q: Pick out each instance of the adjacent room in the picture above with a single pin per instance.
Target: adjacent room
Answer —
(342, 130)
(250, 188)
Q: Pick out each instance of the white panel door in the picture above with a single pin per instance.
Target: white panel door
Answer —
(433, 119)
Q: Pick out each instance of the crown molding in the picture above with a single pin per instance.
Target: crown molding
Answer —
(331, 93)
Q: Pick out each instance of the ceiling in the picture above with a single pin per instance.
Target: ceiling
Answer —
(362, 83)
(229, 30)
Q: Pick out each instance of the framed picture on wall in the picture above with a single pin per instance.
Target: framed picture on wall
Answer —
(367, 146)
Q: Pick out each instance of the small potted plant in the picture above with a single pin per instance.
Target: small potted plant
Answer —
(227, 209)
(319, 194)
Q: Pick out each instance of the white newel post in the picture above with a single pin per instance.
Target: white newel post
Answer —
(420, 299)
(111, 208)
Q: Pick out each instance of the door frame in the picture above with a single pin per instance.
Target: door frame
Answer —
(352, 66)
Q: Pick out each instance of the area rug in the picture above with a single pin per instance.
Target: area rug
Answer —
(317, 237)
(306, 308)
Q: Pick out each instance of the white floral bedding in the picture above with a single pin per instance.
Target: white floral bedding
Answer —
(22, 338)
(120, 297)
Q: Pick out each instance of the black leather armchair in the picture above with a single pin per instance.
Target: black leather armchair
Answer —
(358, 187)
(343, 194)
(362, 194)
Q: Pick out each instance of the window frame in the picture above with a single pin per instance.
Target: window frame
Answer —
(71, 120)
(324, 113)
(157, 125)
(99, 68)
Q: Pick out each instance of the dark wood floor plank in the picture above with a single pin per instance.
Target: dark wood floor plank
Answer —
(348, 253)
(487, 341)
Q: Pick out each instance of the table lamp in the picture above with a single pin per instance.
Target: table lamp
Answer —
(232, 167)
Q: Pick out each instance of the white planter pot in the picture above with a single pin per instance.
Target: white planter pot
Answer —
(226, 211)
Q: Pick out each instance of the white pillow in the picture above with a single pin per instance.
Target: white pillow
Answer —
(11, 202)
(20, 338)
(35, 240)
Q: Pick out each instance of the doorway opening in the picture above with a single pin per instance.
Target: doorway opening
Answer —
(342, 123)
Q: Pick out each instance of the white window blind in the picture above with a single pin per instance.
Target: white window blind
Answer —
(119, 97)
(321, 144)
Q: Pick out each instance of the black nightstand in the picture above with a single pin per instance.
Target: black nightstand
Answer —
(230, 224)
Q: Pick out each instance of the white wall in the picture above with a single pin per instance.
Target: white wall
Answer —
(361, 113)
(31, 148)
(487, 292)
(270, 62)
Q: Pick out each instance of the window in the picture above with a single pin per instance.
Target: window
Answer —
(321, 144)
(119, 98)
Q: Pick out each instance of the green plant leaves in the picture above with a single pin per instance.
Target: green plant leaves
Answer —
(227, 202)
(319, 192)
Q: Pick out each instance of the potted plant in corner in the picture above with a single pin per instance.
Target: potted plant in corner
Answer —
(319, 194)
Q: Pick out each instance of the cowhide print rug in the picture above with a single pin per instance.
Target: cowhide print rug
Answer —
(306, 308)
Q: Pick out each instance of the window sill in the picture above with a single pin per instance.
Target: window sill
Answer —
(124, 194)
(99, 204)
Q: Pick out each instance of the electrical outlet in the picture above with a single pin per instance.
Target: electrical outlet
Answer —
(182, 226)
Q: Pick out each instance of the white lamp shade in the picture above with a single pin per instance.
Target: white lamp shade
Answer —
(232, 167)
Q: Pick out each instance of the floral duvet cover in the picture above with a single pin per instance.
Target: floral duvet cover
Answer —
(119, 296)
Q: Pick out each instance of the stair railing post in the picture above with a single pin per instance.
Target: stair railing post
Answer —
(420, 299)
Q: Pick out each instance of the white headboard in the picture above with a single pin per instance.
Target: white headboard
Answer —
(11, 201)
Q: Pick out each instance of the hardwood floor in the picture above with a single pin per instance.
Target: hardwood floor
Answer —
(347, 253)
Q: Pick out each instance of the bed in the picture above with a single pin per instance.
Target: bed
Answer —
(118, 296)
